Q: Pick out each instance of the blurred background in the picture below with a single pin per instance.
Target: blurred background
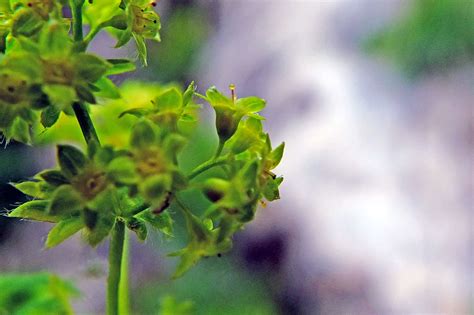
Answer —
(374, 99)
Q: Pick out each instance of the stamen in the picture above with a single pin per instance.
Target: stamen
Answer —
(232, 91)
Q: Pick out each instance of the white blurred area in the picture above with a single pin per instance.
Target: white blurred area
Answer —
(378, 190)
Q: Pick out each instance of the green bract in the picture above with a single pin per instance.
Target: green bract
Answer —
(130, 172)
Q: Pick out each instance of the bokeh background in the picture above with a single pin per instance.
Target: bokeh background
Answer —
(374, 99)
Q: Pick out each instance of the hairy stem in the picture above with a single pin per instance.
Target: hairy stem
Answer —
(85, 122)
(115, 267)
(124, 298)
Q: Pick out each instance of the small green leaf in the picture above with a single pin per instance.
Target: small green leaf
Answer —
(271, 191)
(101, 230)
(20, 131)
(122, 170)
(28, 188)
(120, 66)
(26, 22)
(118, 21)
(71, 160)
(65, 201)
(54, 40)
(63, 230)
(169, 100)
(34, 210)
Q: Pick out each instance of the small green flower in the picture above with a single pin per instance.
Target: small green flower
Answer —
(143, 23)
(230, 111)
(150, 166)
(170, 109)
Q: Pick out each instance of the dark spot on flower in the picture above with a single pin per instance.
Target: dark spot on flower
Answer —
(219, 255)
(11, 89)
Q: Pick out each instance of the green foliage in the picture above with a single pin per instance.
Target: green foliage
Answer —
(434, 34)
(129, 173)
(39, 293)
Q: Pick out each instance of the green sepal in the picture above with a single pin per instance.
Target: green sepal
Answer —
(120, 66)
(154, 188)
(137, 112)
(119, 21)
(251, 104)
(54, 177)
(189, 93)
(26, 22)
(63, 230)
(216, 188)
(49, 116)
(214, 97)
(141, 48)
(169, 100)
(122, 170)
(19, 131)
(143, 134)
(38, 189)
(89, 218)
(101, 230)
(139, 227)
(276, 155)
(54, 41)
(107, 88)
(85, 94)
(34, 210)
(271, 190)
(89, 67)
(162, 221)
(65, 201)
(71, 160)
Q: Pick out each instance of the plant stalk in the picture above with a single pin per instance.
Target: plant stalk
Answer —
(76, 11)
(115, 267)
(124, 297)
(207, 165)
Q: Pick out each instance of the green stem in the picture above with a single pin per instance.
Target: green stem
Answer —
(115, 267)
(124, 298)
(219, 149)
(207, 165)
(76, 10)
(85, 122)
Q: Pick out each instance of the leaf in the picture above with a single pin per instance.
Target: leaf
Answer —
(154, 188)
(71, 160)
(169, 100)
(122, 170)
(65, 201)
(271, 191)
(120, 66)
(162, 222)
(251, 104)
(63, 230)
(34, 210)
(26, 22)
